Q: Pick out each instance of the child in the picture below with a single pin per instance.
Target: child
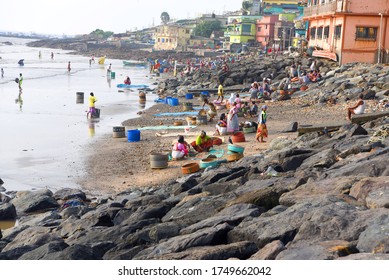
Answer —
(254, 110)
(262, 128)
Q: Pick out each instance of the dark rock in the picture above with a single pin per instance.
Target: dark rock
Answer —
(41, 252)
(292, 127)
(357, 130)
(68, 193)
(28, 202)
(7, 211)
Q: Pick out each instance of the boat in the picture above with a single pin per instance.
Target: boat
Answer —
(135, 63)
(131, 86)
(101, 60)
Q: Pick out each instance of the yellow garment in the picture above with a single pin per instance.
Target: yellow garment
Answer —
(220, 90)
(200, 141)
(92, 101)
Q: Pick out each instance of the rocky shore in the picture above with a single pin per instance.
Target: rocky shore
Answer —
(320, 195)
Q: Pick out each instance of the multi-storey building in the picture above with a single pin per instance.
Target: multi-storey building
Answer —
(172, 37)
(349, 31)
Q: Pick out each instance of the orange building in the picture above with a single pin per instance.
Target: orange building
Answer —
(349, 31)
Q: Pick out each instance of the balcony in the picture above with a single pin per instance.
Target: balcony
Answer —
(324, 9)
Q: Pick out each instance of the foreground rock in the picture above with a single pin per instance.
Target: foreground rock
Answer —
(326, 198)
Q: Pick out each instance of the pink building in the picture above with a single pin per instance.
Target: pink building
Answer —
(349, 31)
(265, 29)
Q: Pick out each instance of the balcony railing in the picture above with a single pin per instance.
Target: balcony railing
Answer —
(323, 9)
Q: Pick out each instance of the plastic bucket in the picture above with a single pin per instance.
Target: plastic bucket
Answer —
(167, 99)
(189, 96)
(113, 75)
(173, 102)
(118, 132)
(133, 135)
(79, 97)
(96, 114)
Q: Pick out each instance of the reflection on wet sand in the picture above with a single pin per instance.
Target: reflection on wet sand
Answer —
(92, 126)
(19, 100)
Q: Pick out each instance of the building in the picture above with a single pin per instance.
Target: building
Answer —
(242, 29)
(349, 31)
(198, 42)
(265, 30)
(172, 37)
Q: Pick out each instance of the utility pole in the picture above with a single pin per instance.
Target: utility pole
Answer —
(379, 40)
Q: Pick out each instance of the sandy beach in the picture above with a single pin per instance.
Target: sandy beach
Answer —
(115, 165)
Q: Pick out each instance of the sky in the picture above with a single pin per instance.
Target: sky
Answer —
(72, 17)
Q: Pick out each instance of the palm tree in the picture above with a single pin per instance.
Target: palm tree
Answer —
(165, 17)
(246, 6)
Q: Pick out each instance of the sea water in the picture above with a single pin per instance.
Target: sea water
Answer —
(43, 131)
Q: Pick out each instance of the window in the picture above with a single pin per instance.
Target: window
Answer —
(320, 32)
(163, 40)
(366, 33)
(246, 28)
(326, 32)
(338, 31)
(159, 40)
(313, 32)
(259, 29)
(187, 31)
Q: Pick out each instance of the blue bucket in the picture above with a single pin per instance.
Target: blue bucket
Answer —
(133, 135)
(189, 96)
(173, 102)
(205, 93)
(167, 99)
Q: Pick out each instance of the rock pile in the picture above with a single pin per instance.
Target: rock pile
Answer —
(319, 197)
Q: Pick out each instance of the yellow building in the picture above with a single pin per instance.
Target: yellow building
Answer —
(241, 29)
(172, 37)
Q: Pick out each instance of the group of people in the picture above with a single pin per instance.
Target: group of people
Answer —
(181, 148)
(258, 91)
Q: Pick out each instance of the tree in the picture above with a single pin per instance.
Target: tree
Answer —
(165, 17)
(101, 33)
(205, 28)
(246, 6)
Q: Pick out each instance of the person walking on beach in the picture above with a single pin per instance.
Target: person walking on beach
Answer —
(262, 128)
(92, 101)
(358, 108)
(109, 70)
(20, 81)
(220, 92)
(52, 55)
(69, 67)
(2, 72)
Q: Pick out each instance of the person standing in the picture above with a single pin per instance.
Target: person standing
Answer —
(262, 128)
(109, 70)
(52, 55)
(20, 82)
(232, 119)
(69, 67)
(2, 72)
(220, 93)
(92, 101)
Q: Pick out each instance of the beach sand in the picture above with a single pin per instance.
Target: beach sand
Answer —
(114, 164)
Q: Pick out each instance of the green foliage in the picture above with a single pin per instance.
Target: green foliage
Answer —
(205, 28)
(165, 18)
(247, 5)
(101, 33)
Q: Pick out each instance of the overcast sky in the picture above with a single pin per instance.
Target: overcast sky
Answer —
(83, 16)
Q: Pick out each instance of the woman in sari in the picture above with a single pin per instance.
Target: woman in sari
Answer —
(262, 128)
(203, 143)
(232, 119)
